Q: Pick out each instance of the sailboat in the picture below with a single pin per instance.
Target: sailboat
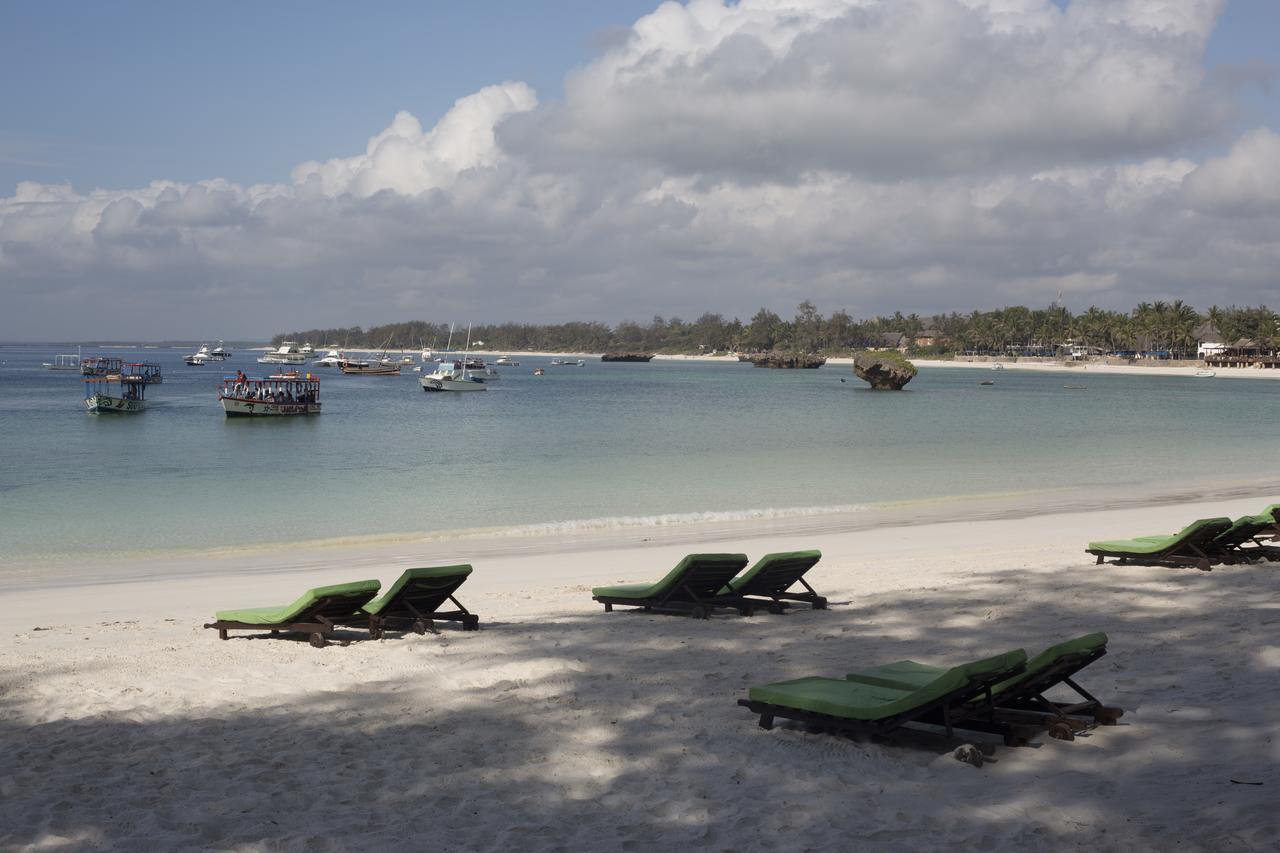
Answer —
(453, 375)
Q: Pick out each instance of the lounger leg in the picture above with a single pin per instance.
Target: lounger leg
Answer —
(471, 622)
(222, 633)
(1099, 563)
(608, 608)
(766, 721)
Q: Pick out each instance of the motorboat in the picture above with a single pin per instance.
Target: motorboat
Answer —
(332, 358)
(220, 352)
(455, 375)
(114, 395)
(64, 361)
(307, 350)
(997, 366)
(287, 353)
(242, 397)
(1205, 374)
(285, 374)
(506, 361)
(200, 357)
(567, 362)
(538, 371)
(452, 377)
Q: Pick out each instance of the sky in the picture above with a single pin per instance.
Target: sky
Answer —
(240, 169)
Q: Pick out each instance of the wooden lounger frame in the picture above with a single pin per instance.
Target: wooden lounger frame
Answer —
(319, 620)
(1189, 552)
(697, 606)
(949, 711)
(776, 601)
(420, 622)
(1026, 706)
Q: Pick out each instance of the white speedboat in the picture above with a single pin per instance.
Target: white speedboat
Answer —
(1205, 373)
(506, 361)
(220, 352)
(455, 375)
(568, 362)
(307, 350)
(287, 353)
(199, 358)
(451, 377)
(997, 366)
(332, 358)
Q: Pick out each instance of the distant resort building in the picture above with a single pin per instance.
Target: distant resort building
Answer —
(890, 340)
(1209, 341)
(926, 338)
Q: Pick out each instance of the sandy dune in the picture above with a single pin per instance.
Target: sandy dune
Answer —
(560, 727)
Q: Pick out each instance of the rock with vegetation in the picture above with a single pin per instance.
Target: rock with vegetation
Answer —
(884, 371)
(787, 360)
(626, 356)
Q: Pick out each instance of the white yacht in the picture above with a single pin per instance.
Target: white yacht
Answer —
(451, 376)
(199, 358)
(287, 353)
(307, 349)
(332, 358)
(506, 361)
(220, 352)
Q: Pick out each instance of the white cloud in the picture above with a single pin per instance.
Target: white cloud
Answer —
(874, 155)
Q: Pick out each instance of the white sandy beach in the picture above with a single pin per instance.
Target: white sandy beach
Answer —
(560, 727)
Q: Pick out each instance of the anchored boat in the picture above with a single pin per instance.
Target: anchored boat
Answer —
(287, 353)
(114, 394)
(65, 361)
(101, 365)
(145, 372)
(242, 396)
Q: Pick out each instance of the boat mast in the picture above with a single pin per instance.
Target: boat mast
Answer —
(465, 375)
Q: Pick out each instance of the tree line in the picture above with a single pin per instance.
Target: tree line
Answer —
(1173, 327)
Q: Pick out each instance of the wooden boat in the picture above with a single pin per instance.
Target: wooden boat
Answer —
(241, 396)
(987, 382)
(113, 395)
(101, 365)
(148, 373)
(364, 368)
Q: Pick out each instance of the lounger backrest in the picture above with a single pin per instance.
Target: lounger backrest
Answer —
(332, 602)
(424, 589)
(959, 684)
(704, 574)
(1201, 531)
(774, 573)
(1243, 530)
(1051, 666)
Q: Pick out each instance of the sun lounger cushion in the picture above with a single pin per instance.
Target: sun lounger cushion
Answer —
(855, 701)
(910, 675)
(1158, 544)
(440, 573)
(801, 561)
(730, 563)
(290, 612)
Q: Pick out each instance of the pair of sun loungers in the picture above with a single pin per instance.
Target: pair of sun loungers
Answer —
(1002, 695)
(701, 583)
(412, 603)
(1201, 544)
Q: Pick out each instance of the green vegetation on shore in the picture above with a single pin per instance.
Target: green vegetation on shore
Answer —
(1173, 327)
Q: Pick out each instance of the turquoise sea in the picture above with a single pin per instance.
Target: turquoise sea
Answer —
(599, 446)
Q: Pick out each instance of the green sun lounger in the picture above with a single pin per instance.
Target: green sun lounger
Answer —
(849, 707)
(768, 581)
(693, 586)
(1242, 542)
(317, 612)
(1190, 546)
(1021, 699)
(414, 602)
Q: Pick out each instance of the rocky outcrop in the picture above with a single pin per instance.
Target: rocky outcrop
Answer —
(883, 371)
(626, 356)
(786, 360)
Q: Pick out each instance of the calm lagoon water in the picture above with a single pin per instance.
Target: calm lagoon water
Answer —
(592, 446)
